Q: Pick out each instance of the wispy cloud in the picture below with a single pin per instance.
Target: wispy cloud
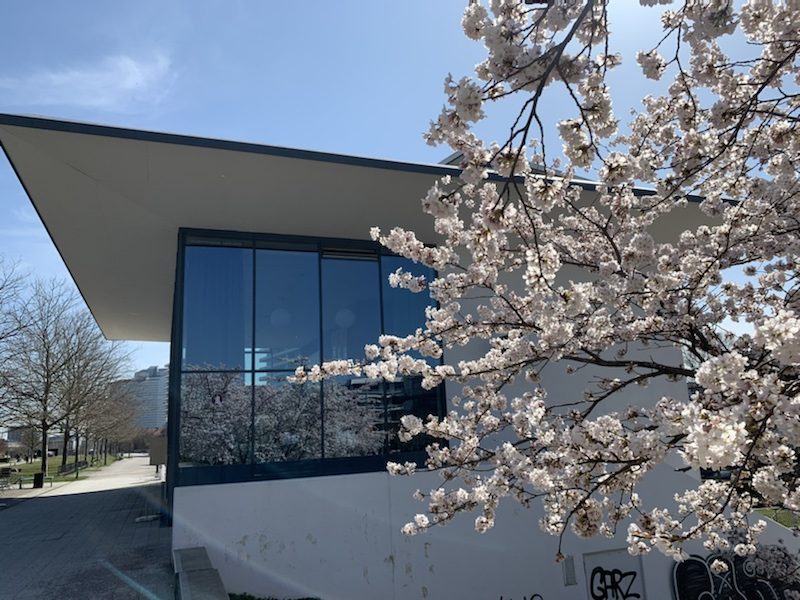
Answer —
(25, 214)
(23, 233)
(118, 83)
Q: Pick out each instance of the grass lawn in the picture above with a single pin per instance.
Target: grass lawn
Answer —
(785, 517)
(54, 462)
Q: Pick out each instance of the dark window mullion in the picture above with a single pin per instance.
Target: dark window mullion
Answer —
(253, 364)
(321, 357)
(383, 383)
(174, 383)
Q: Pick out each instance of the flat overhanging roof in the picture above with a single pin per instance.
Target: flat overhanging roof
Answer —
(113, 200)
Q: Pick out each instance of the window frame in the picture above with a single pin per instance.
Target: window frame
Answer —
(210, 474)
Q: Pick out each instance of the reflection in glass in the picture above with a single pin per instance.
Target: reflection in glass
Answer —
(216, 410)
(354, 417)
(241, 409)
(403, 310)
(288, 423)
(406, 396)
(351, 315)
(217, 307)
(287, 309)
(403, 313)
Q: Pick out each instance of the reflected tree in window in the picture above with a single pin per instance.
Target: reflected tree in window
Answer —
(354, 417)
(216, 414)
(288, 421)
(216, 411)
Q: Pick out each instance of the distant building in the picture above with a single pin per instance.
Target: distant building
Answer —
(149, 389)
(23, 440)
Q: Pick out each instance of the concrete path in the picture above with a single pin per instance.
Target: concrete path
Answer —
(81, 539)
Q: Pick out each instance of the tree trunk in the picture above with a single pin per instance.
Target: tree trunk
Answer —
(45, 430)
(105, 451)
(65, 447)
(86, 447)
(77, 451)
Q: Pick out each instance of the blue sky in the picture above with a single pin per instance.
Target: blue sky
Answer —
(355, 77)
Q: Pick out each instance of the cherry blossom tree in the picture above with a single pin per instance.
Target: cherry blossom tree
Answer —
(550, 276)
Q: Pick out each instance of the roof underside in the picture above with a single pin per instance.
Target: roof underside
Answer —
(113, 201)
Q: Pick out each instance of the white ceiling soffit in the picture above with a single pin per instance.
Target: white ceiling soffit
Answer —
(113, 200)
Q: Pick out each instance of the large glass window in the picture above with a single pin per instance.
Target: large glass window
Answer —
(351, 308)
(287, 309)
(217, 308)
(256, 308)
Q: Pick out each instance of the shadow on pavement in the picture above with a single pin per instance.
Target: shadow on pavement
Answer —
(86, 545)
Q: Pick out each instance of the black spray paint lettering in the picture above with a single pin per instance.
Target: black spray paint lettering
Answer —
(533, 597)
(612, 585)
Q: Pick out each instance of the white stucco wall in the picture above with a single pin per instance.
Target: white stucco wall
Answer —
(338, 537)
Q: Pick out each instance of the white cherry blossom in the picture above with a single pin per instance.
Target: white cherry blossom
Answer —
(544, 279)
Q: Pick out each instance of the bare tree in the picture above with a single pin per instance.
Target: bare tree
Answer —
(36, 359)
(56, 363)
(113, 418)
(85, 385)
(11, 285)
(30, 440)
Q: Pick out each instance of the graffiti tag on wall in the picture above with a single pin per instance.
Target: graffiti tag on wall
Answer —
(613, 575)
(612, 584)
(693, 579)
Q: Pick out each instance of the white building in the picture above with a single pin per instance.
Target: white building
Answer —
(149, 389)
(251, 260)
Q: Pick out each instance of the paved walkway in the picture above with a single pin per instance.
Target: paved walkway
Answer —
(81, 540)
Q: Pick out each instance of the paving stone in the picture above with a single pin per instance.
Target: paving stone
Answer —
(81, 539)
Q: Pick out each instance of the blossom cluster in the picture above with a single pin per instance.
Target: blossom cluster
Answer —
(538, 274)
